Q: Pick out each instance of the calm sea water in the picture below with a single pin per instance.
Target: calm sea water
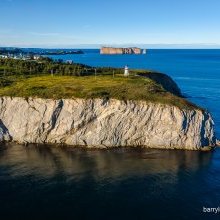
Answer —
(64, 183)
(47, 182)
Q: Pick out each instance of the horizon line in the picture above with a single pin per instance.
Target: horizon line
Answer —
(97, 46)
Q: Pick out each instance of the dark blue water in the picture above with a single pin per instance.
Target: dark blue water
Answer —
(65, 183)
(48, 182)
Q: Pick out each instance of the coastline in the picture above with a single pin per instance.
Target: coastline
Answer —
(124, 112)
(101, 123)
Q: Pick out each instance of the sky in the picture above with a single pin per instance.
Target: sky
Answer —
(91, 23)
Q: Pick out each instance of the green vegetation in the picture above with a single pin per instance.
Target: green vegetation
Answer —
(84, 82)
(13, 67)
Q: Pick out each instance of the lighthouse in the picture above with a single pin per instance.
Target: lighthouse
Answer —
(126, 73)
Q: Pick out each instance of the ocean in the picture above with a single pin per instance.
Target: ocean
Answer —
(48, 182)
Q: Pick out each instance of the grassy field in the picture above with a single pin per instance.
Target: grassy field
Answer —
(101, 86)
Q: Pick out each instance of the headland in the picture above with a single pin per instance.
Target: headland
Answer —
(79, 105)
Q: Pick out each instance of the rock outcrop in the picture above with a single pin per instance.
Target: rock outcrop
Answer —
(113, 50)
(104, 123)
(164, 80)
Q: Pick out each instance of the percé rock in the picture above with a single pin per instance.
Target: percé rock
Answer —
(113, 50)
(104, 123)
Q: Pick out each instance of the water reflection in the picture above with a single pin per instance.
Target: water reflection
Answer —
(47, 161)
(68, 183)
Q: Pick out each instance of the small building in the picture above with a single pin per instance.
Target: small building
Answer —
(36, 57)
(126, 72)
(3, 56)
(69, 62)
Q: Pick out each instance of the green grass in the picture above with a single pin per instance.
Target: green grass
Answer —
(102, 86)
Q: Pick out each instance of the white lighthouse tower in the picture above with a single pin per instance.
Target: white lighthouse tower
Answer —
(126, 73)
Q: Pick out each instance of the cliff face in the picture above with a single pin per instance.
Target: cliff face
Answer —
(104, 123)
(112, 50)
(164, 80)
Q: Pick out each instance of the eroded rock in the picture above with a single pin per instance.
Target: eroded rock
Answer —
(104, 123)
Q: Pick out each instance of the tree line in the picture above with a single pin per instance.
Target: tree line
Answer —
(48, 66)
(28, 67)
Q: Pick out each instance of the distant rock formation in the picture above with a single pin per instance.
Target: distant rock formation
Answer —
(112, 50)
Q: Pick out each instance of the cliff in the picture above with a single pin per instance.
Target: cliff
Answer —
(113, 50)
(164, 80)
(104, 123)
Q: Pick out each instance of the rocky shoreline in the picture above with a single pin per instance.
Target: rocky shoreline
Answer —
(101, 123)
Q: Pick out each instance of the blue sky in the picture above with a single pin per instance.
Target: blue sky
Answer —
(88, 23)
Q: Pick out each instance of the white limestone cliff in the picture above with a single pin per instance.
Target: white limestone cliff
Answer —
(103, 123)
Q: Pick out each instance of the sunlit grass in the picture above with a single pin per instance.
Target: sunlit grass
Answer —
(101, 86)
